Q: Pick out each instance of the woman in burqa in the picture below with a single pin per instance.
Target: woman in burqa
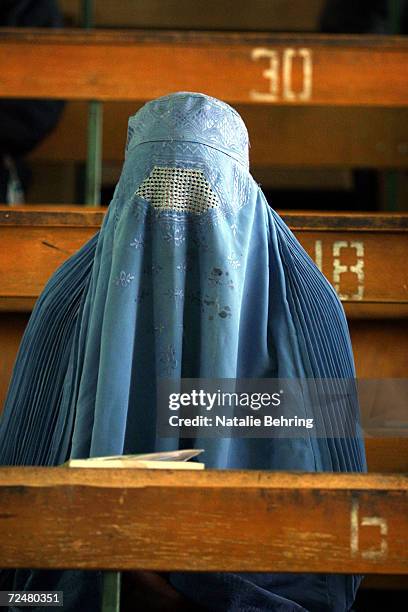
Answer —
(192, 275)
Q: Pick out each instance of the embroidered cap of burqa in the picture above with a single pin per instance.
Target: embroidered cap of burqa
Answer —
(192, 275)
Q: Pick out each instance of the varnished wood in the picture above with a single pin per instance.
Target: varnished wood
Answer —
(380, 347)
(387, 455)
(281, 136)
(139, 65)
(52, 216)
(214, 520)
(12, 326)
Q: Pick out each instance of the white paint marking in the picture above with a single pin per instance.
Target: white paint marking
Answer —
(367, 521)
(354, 528)
(272, 74)
(376, 553)
(357, 268)
(319, 254)
(288, 93)
(306, 94)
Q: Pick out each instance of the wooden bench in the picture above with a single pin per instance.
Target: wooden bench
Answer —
(315, 73)
(303, 69)
(234, 520)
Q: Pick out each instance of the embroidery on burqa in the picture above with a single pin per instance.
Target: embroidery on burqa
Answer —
(169, 160)
(215, 123)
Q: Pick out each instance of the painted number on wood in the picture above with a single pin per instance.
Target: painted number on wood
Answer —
(279, 75)
(339, 268)
(356, 523)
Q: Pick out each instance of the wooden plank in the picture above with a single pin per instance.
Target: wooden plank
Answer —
(12, 326)
(52, 216)
(380, 347)
(54, 233)
(364, 256)
(387, 455)
(256, 68)
(281, 136)
(283, 15)
(209, 521)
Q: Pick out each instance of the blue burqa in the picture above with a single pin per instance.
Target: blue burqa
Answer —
(191, 275)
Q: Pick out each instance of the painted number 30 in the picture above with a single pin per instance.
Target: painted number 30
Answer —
(279, 75)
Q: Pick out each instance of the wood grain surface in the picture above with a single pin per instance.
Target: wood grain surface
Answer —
(214, 520)
(286, 69)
